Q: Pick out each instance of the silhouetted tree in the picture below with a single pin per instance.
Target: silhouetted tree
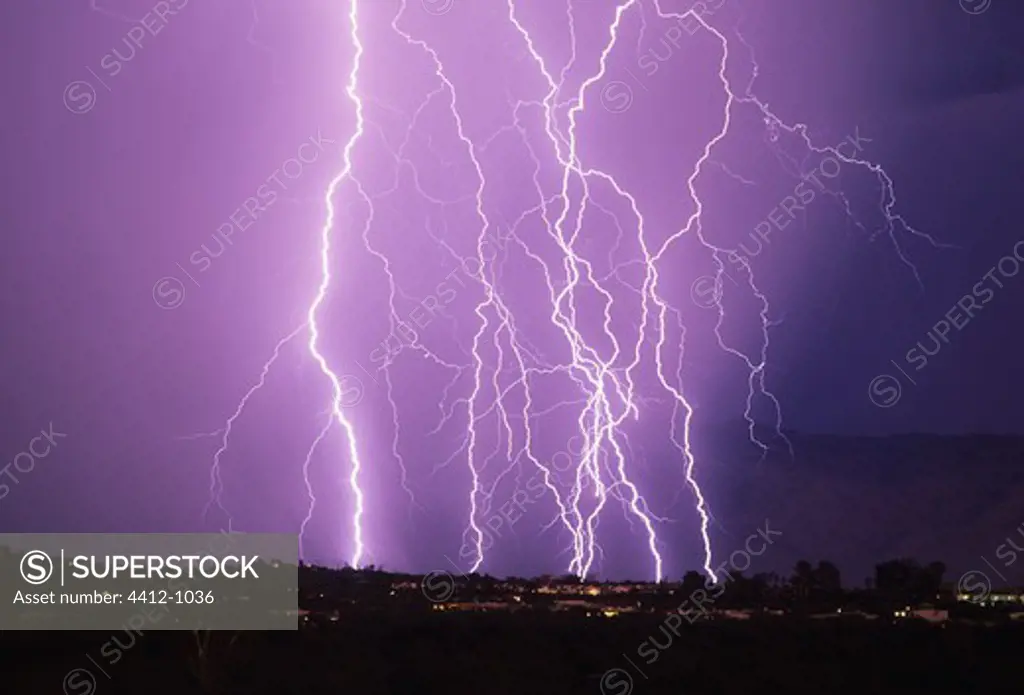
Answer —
(803, 580)
(895, 580)
(692, 581)
(827, 577)
(759, 589)
(743, 592)
(931, 581)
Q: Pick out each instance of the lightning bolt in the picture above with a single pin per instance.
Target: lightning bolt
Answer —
(893, 224)
(337, 410)
(216, 483)
(602, 365)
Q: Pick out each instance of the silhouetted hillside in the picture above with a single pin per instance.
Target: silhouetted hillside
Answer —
(856, 499)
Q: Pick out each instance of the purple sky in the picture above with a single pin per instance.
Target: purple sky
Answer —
(122, 169)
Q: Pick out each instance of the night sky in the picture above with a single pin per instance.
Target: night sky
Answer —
(134, 330)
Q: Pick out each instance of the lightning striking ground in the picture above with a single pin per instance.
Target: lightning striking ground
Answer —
(602, 365)
(337, 409)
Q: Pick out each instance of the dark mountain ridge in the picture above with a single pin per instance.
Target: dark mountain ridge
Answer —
(858, 500)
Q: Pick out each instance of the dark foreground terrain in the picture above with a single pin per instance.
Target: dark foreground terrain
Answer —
(526, 653)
